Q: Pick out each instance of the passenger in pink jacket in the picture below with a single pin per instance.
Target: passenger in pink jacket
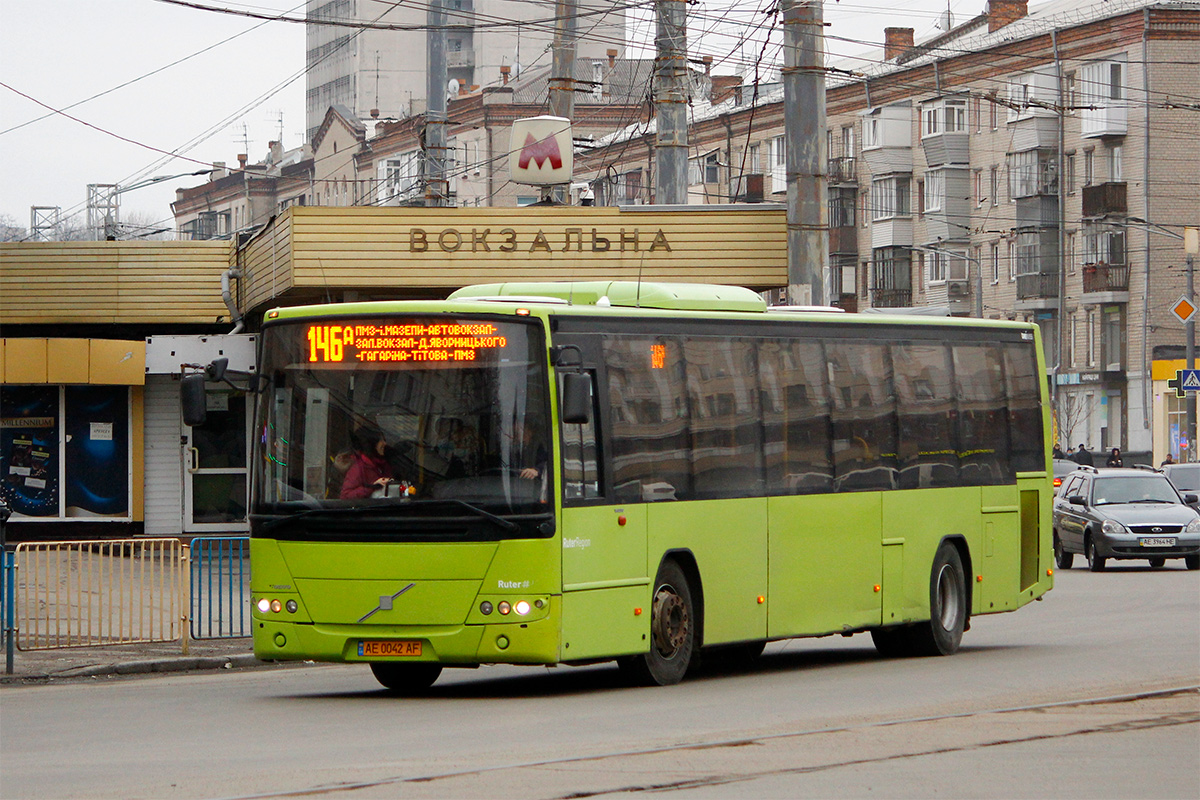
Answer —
(369, 472)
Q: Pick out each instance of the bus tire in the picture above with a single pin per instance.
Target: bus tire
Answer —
(406, 677)
(672, 632)
(893, 642)
(942, 634)
(1062, 559)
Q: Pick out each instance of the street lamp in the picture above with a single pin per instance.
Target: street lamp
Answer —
(952, 254)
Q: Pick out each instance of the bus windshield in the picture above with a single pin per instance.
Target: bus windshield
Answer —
(415, 417)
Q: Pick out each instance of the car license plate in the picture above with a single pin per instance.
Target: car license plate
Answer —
(371, 648)
(1158, 541)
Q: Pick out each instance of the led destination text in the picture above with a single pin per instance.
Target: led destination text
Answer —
(401, 342)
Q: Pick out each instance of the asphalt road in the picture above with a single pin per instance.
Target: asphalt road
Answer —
(1091, 693)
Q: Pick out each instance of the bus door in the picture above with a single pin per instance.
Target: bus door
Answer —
(603, 547)
(215, 465)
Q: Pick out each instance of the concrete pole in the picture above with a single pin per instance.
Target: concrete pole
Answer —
(437, 187)
(671, 102)
(1190, 354)
(562, 74)
(804, 131)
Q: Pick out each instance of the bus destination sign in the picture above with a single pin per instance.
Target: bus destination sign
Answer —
(401, 342)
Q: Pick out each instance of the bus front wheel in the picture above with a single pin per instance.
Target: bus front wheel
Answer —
(672, 632)
(406, 678)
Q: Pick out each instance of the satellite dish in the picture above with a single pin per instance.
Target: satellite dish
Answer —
(452, 87)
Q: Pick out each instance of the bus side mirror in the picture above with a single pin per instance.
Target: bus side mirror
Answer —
(577, 398)
(216, 370)
(192, 400)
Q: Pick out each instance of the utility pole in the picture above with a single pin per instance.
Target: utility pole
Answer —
(1191, 245)
(804, 134)
(437, 187)
(671, 102)
(562, 75)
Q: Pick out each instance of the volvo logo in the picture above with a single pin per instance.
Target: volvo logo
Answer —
(385, 602)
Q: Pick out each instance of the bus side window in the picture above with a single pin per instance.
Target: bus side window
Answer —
(581, 454)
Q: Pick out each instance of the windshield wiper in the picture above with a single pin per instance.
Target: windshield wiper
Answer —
(506, 524)
(390, 508)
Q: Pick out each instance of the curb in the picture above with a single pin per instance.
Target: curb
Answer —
(162, 665)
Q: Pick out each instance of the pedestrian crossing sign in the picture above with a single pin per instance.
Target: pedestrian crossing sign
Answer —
(1186, 380)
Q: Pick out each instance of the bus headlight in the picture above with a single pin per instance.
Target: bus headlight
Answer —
(522, 608)
(264, 605)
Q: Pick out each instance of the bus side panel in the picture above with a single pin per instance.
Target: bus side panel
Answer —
(728, 539)
(825, 562)
(918, 521)
(604, 582)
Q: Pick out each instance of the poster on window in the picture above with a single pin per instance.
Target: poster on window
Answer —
(29, 468)
(97, 451)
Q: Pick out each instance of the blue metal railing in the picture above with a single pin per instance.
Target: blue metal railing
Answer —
(8, 583)
(220, 603)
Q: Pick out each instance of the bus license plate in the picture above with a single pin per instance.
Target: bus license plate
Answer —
(372, 648)
(1158, 541)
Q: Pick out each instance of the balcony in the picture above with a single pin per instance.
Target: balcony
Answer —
(1037, 286)
(460, 59)
(1105, 278)
(842, 170)
(847, 302)
(1104, 198)
(843, 241)
(891, 298)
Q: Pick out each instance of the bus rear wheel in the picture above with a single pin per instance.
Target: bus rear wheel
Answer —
(406, 678)
(672, 632)
(942, 634)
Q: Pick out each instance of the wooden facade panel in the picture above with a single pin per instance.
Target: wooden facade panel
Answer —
(402, 249)
(112, 282)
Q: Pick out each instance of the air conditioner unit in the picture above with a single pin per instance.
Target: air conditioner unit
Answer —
(957, 289)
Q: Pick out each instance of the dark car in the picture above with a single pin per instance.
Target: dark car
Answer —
(1062, 468)
(1123, 514)
(1184, 477)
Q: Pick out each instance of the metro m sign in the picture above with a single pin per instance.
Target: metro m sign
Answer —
(541, 152)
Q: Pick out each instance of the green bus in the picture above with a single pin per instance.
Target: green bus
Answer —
(570, 473)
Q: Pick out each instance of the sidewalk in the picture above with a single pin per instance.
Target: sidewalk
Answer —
(127, 659)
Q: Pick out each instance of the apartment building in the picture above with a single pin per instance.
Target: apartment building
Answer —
(371, 57)
(1036, 164)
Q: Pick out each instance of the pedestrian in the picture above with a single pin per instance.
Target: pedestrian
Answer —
(1083, 457)
(1058, 453)
(1114, 458)
(1167, 460)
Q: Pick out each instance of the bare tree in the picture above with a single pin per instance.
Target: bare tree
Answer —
(10, 231)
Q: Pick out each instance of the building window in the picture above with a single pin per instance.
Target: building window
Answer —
(1114, 164)
(1028, 253)
(1069, 173)
(1090, 337)
(892, 197)
(848, 145)
(1069, 255)
(1031, 173)
(778, 158)
(1071, 341)
(752, 164)
(944, 116)
(980, 196)
(1089, 167)
(995, 259)
(977, 113)
(935, 190)
(1103, 246)
(1070, 94)
(1012, 261)
(1113, 338)
(994, 186)
(870, 134)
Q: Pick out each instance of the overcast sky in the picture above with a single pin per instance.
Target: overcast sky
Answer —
(208, 82)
